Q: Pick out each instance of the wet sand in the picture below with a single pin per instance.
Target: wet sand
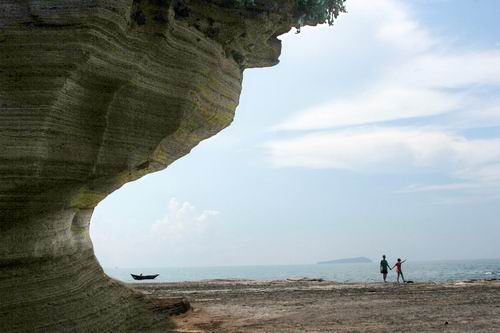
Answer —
(225, 306)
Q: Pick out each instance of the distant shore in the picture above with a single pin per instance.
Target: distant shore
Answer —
(248, 306)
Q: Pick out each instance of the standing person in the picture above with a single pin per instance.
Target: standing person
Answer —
(384, 265)
(399, 270)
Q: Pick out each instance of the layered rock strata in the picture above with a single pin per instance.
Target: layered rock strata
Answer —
(94, 94)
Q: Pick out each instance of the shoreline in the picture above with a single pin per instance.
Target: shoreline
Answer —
(295, 280)
(250, 306)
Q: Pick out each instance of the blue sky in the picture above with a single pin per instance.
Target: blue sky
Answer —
(379, 135)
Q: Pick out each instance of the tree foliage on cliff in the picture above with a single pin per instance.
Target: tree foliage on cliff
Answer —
(317, 11)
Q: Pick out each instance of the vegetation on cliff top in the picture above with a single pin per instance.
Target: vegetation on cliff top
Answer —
(317, 11)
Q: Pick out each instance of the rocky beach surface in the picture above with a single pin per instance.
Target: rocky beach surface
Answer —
(225, 306)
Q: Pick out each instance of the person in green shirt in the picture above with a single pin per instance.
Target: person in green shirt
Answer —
(384, 266)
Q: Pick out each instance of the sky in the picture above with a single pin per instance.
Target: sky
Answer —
(378, 135)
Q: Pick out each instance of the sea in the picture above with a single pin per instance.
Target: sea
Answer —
(416, 271)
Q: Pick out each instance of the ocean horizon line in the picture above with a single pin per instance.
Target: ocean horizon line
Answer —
(301, 264)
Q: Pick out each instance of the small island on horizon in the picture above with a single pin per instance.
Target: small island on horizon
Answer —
(356, 260)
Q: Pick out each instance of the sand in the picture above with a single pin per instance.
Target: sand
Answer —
(282, 306)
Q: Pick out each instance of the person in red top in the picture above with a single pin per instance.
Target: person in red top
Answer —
(399, 270)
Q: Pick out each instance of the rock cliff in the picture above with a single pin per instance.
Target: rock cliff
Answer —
(94, 94)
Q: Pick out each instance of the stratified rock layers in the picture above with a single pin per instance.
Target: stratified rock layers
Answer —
(94, 94)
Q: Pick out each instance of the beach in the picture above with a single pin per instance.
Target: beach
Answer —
(249, 306)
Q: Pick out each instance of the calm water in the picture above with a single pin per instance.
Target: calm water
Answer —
(421, 271)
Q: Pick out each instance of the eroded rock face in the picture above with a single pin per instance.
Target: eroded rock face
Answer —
(94, 94)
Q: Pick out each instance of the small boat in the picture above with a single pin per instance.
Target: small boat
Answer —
(144, 277)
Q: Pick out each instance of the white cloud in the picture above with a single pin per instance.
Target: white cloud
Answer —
(478, 114)
(455, 69)
(396, 25)
(381, 104)
(424, 86)
(466, 199)
(183, 231)
(486, 174)
(182, 220)
(384, 149)
(415, 188)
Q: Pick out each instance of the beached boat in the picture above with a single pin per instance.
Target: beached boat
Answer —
(144, 277)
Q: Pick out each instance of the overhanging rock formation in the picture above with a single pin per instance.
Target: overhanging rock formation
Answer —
(94, 94)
